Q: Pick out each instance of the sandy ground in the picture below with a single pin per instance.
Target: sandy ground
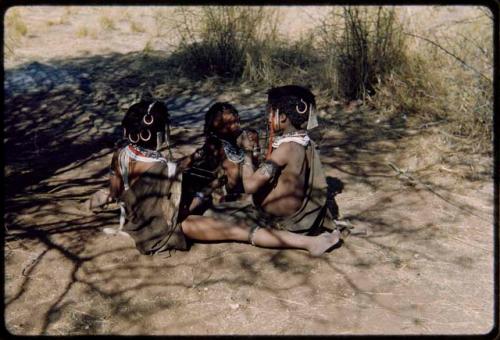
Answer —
(426, 266)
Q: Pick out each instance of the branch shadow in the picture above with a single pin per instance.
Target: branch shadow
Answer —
(61, 124)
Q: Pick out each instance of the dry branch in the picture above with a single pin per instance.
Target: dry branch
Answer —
(450, 54)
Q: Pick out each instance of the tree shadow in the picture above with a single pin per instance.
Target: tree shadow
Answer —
(61, 124)
(335, 187)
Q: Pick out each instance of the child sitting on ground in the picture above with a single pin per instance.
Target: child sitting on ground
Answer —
(146, 185)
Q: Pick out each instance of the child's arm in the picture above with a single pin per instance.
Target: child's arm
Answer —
(187, 161)
(105, 196)
(254, 135)
(115, 179)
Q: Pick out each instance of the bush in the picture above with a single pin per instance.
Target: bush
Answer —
(413, 91)
(240, 43)
(107, 23)
(354, 53)
(277, 62)
(459, 57)
(15, 30)
(136, 27)
(359, 47)
(214, 40)
(469, 68)
(82, 32)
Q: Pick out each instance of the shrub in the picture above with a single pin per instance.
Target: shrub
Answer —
(277, 62)
(148, 47)
(15, 23)
(82, 32)
(469, 67)
(359, 46)
(412, 90)
(216, 41)
(136, 27)
(107, 23)
(15, 30)
(354, 53)
(460, 57)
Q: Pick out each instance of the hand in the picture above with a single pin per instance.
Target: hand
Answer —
(247, 140)
(195, 203)
(254, 136)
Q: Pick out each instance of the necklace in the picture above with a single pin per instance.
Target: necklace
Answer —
(233, 153)
(144, 155)
(297, 137)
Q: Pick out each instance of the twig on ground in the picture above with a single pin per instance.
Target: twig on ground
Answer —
(461, 139)
(449, 170)
(289, 301)
(471, 245)
(415, 181)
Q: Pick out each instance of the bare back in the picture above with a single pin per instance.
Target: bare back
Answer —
(136, 169)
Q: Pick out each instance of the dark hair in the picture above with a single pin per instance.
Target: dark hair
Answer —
(143, 120)
(289, 99)
(212, 113)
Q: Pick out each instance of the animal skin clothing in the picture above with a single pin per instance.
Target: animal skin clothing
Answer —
(151, 210)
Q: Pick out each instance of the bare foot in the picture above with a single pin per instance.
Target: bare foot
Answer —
(114, 231)
(324, 242)
(99, 199)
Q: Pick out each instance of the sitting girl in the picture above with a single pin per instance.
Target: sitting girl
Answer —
(216, 166)
(149, 189)
(146, 185)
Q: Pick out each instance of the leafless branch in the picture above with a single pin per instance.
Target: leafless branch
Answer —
(449, 53)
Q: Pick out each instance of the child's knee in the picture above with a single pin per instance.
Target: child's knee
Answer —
(189, 225)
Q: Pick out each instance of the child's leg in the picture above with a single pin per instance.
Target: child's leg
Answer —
(209, 229)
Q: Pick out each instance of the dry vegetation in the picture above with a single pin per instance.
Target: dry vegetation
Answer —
(364, 53)
(442, 73)
(17, 29)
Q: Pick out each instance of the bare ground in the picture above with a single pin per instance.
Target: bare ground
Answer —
(425, 268)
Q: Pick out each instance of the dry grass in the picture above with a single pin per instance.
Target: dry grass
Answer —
(107, 23)
(219, 41)
(136, 27)
(411, 90)
(148, 47)
(82, 32)
(359, 47)
(453, 81)
(355, 52)
(441, 71)
(14, 30)
(64, 19)
(125, 15)
(15, 22)
(443, 75)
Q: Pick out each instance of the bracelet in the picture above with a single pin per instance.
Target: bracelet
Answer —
(200, 195)
(251, 236)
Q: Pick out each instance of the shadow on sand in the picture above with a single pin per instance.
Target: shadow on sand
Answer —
(61, 124)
